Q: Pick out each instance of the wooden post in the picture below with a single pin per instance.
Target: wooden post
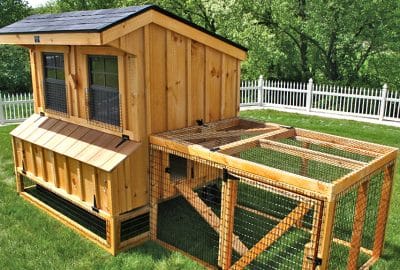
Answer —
(383, 211)
(260, 91)
(358, 223)
(228, 197)
(308, 253)
(114, 233)
(383, 103)
(155, 181)
(309, 95)
(327, 233)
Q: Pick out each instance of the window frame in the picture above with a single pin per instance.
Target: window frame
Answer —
(103, 88)
(44, 79)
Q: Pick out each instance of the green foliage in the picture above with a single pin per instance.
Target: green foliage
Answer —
(340, 41)
(15, 73)
(14, 61)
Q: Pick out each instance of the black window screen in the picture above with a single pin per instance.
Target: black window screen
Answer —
(103, 89)
(55, 94)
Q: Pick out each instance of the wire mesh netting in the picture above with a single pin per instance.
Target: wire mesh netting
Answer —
(271, 228)
(286, 189)
(355, 224)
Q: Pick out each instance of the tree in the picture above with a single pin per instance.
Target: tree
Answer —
(14, 61)
(333, 40)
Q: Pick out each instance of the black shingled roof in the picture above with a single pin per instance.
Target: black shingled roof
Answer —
(90, 21)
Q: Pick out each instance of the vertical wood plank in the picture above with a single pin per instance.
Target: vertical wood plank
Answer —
(383, 211)
(327, 233)
(213, 85)
(158, 93)
(88, 183)
(35, 88)
(229, 198)
(82, 83)
(122, 92)
(358, 223)
(229, 79)
(238, 87)
(102, 181)
(176, 81)
(188, 67)
(197, 88)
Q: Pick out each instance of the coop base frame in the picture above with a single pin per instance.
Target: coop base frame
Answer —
(194, 142)
(112, 242)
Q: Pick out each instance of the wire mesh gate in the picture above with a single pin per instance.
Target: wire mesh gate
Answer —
(230, 219)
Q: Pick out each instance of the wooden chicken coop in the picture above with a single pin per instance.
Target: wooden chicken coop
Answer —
(136, 136)
(104, 80)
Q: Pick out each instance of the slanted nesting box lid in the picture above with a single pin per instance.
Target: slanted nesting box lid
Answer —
(93, 147)
(100, 27)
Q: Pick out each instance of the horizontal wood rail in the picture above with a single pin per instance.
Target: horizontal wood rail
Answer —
(224, 134)
(312, 155)
(347, 148)
(242, 145)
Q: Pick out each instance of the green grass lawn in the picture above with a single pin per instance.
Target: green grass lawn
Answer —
(29, 239)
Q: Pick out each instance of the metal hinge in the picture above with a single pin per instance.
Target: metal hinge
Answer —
(167, 170)
(227, 175)
(124, 138)
(94, 207)
(316, 261)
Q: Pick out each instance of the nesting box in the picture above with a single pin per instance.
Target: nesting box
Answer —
(103, 81)
(133, 96)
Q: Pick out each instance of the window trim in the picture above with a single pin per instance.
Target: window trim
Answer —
(37, 58)
(103, 88)
(82, 59)
(42, 54)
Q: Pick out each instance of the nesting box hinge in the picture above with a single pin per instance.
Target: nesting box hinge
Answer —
(215, 149)
(94, 207)
(42, 114)
(124, 138)
(227, 175)
(167, 170)
(200, 122)
(23, 167)
(316, 261)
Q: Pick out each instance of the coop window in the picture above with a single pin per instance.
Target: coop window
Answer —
(177, 167)
(103, 89)
(55, 94)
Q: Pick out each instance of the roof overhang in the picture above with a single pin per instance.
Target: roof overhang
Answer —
(153, 14)
(93, 147)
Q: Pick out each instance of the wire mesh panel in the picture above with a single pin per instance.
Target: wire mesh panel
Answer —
(239, 222)
(357, 222)
(287, 198)
(280, 228)
(188, 195)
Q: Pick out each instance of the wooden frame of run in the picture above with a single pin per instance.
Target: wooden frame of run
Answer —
(209, 142)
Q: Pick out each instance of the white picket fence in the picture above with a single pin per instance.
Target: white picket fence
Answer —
(15, 107)
(359, 103)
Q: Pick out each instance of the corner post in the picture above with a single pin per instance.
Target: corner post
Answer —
(260, 88)
(383, 212)
(310, 87)
(228, 202)
(327, 233)
(383, 102)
